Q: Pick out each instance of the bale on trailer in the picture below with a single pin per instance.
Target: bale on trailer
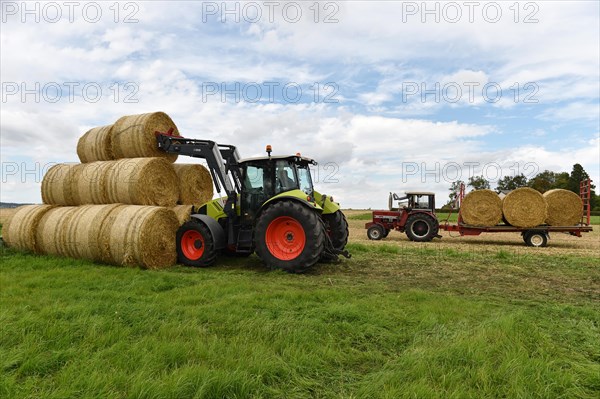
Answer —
(51, 234)
(133, 136)
(481, 208)
(525, 207)
(19, 232)
(195, 184)
(91, 183)
(96, 145)
(58, 183)
(140, 236)
(142, 181)
(564, 207)
(83, 231)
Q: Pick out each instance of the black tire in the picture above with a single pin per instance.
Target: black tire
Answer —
(385, 233)
(336, 227)
(195, 245)
(375, 232)
(421, 227)
(534, 238)
(278, 237)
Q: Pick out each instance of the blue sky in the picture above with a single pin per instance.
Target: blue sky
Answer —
(377, 56)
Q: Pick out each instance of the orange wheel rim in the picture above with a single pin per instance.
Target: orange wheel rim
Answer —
(285, 238)
(192, 244)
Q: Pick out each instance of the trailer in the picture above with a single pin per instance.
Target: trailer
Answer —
(533, 236)
(415, 216)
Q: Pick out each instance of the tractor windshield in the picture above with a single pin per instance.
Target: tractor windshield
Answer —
(305, 180)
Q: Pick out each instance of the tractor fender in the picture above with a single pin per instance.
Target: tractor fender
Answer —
(309, 205)
(215, 229)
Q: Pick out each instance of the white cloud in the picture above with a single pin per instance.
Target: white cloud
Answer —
(370, 53)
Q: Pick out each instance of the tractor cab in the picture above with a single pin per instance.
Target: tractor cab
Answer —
(266, 177)
(420, 200)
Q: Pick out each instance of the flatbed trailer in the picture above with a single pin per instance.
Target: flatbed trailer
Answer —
(533, 236)
(537, 236)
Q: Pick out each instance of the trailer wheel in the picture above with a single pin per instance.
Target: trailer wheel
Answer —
(421, 228)
(535, 238)
(375, 232)
(195, 245)
(289, 236)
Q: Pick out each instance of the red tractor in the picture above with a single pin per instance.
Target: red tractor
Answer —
(414, 215)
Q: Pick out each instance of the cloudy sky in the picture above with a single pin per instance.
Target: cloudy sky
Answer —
(387, 96)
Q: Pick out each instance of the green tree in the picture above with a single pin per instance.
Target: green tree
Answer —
(512, 182)
(454, 190)
(478, 182)
(579, 174)
(547, 180)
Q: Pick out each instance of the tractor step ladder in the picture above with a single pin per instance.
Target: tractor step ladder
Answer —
(585, 192)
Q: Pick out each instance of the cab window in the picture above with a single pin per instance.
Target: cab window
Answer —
(305, 180)
(285, 177)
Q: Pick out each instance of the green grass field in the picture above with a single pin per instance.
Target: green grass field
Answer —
(392, 322)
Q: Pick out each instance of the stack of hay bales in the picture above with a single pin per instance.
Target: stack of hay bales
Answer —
(122, 205)
(523, 208)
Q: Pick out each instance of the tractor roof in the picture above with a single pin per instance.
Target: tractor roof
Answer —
(291, 158)
(420, 193)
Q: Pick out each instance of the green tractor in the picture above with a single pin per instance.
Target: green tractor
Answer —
(271, 208)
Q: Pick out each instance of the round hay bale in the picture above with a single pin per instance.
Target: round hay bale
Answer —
(133, 136)
(195, 184)
(5, 214)
(58, 184)
(96, 145)
(83, 231)
(19, 232)
(183, 213)
(481, 208)
(90, 185)
(142, 236)
(142, 181)
(564, 207)
(51, 231)
(525, 207)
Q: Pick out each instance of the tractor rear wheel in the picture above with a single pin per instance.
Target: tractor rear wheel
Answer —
(195, 245)
(421, 227)
(336, 228)
(289, 236)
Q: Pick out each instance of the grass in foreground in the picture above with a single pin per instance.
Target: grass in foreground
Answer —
(389, 323)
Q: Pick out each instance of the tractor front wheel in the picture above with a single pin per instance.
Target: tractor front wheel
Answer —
(375, 232)
(195, 245)
(289, 236)
(421, 227)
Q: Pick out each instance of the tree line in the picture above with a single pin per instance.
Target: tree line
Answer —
(542, 182)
